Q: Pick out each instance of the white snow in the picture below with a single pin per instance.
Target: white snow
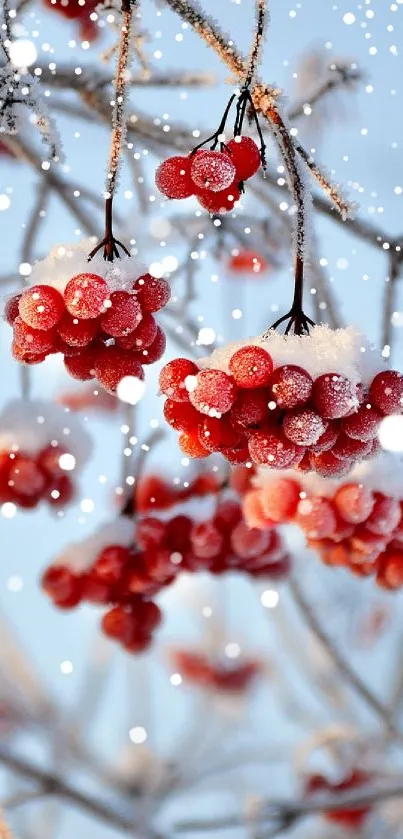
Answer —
(29, 426)
(78, 556)
(343, 351)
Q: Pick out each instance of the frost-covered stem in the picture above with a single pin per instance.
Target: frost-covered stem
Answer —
(330, 189)
(258, 40)
(55, 785)
(343, 76)
(120, 97)
(339, 661)
(263, 96)
(389, 300)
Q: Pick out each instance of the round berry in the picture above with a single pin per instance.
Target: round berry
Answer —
(212, 170)
(41, 306)
(251, 367)
(25, 357)
(33, 340)
(249, 542)
(219, 202)
(62, 585)
(291, 386)
(85, 296)
(354, 503)
(75, 332)
(173, 179)
(172, 378)
(207, 541)
(245, 156)
(386, 392)
(110, 564)
(113, 364)
(26, 478)
(82, 366)
(11, 308)
(333, 395)
(181, 415)
(327, 440)
(363, 424)
(156, 349)
(142, 337)
(190, 444)
(212, 392)
(316, 517)
(346, 448)
(247, 262)
(280, 499)
(123, 314)
(216, 434)
(153, 293)
(385, 515)
(250, 409)
(303, 426)
(271, 448)
(329, 466)
(390, 570)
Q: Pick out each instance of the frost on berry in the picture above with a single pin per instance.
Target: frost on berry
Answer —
(85, 296)
(212, 170)
(316, 517)
(33, 340)
(219, 202)
(173, 179)
(172, 378)
(113, 364)
(251, 367)
(354, 502)
(212, 392)
(41, 306)
(75, 332)
(386, 392)
(153, 293)
(334, 396)
(123, 314)
(271, 448)
(303, 426)
(245, 156)
(291, 386)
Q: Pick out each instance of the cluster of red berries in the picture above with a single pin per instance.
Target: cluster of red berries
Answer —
(126, 578)
(80, 12)
(214, 177)
(27, 479)
(354, 528)
(247, 262)
(351, 819)
(228, 677)
(101, 334)
(277, 416)
(154, 493)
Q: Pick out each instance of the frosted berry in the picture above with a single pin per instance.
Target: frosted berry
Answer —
(48, 459)
(327, 440)
(280, 499)
(245, 156)
(207, 541)
(172, 378)
(110, 564)
(346, 448)
(212, 170)
(329, 466)
(123, 314)
(303, 426)
(181, 415)
(41, 306)
(156, 349)
(386, 392)
(354, 503)
(153, 293)
(363, 424)
(390, 570)
(26, 478)
(316, 517)
(291, 386)
(212, 392)
(75, 332)
(11, 308)
(216, 434)
(82, 366)
(85, 296)
(250, 408)
(142, 337)
(190, 444)
(271, 448)
(173, 179)
(385, 515)
(113, 364)
(333, 395)
(62, 585)
(25, 357)
(219, 202)
(33, 340)
(251, 367)
(249, 542)
(237, 456)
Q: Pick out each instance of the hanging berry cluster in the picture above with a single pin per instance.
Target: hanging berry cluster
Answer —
(102, 322)
(127, 573)
(226, 676)
(252, 402)
(350, 524)
(349, 819)
(155, 493)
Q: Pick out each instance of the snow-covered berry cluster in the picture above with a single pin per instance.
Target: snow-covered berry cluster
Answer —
(355, 523)
(155, 493)
(216, 674)
(125, 565)
(42, 450)
(101, 320)
(313, 402)
(350, 819)
(214, 177)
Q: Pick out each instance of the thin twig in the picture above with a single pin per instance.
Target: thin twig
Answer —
(340, 662)
(120, 96)
(258, 40)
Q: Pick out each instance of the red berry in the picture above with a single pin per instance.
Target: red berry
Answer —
(33, 341)
(247, 262)
(390, 570)
(385, 515)
(329, 466)
(253, 512)
(48, 460)
(365, 546)
(123, 315)
(118, 624)
(245, 156)
(327, 440)
(333, 395)
(172, 378)
(60, 492)
(316, 517)
(189, 444)
(271, 448)
(150, 533)
(212, 392)
(26, 478)
(173, 179)
(303, 426)
(212, 170)
(25, 357)
(216, 434)
(207, 541)
(251, 367)
(41, 306)
(236, 456)
(62, 585)
(156, 349)
(181, 415)
(250, 409)
(154, 493)
(113, 364)
(142, 337)
(82, 366)
(291, 386)
(249, 542)
(219, 202)
(386, 392)
(363, 424)
(346, 448)
(110, 564)
(11, 308)
(280, 499)
(227, 516)
(354, 503)
(85, 296)
(153, 293)
(75, 332)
